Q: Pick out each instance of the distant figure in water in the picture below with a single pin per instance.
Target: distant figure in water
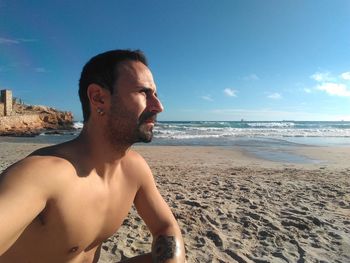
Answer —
(61, 202)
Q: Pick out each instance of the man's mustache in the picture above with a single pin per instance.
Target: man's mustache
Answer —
(148, 116)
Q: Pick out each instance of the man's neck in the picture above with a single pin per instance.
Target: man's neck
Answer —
(99, 153)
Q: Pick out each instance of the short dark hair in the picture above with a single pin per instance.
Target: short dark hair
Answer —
(102, 70)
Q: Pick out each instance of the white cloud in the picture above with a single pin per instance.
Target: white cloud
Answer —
(332, 85)
(275, 96)
(8, 41)
(334, 89)
(40, 70)
(27, 40)
(321, 76)
(207, 97)
(251, 77)
(307, 90)
(230, 92)
(345, 75)
(15, 41)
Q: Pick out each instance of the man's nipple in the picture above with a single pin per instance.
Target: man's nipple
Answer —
(73, 249)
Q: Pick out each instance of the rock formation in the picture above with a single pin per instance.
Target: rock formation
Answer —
(29, 120)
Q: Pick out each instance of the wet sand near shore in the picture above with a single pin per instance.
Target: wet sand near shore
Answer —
(234, 207)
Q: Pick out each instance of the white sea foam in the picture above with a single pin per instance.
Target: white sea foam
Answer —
(272, 124)
(232, 133)
(78, 125)
(224, 132)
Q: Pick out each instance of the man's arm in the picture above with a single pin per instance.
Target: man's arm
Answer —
(167, 243)
(23, 196)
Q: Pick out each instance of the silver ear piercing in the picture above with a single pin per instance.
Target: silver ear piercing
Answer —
(100, 111)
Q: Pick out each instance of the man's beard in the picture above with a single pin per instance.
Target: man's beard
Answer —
(124, 129)
(144, 133)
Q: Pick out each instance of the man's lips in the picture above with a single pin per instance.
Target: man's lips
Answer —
(150, 121)
(148, 117)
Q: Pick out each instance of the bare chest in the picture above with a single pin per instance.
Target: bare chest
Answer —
(89, 213)
(82, 216)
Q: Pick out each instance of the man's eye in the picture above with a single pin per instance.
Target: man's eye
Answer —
(144, 91)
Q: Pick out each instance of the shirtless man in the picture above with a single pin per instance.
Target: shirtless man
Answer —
(60, 203)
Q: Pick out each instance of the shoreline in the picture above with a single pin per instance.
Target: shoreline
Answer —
(291, 153)
(232, 206)
(306, 156)
(334, 157)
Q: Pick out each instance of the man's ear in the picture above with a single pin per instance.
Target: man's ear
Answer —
(98, 96)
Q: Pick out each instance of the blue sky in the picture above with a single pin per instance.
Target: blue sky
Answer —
(211, 60)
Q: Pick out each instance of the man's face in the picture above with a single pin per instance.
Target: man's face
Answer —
(134, 105)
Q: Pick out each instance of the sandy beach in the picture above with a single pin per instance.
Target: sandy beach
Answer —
(234, 207)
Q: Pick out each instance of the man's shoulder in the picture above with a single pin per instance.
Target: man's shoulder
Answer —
(134, 158)
(40, 168)
(38, 164)
(45, 163)
(134, 163)
(51, 158)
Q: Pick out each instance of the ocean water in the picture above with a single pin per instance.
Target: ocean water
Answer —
(225, 133)
(272, 140)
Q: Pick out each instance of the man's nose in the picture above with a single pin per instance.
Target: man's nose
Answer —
(156, 105)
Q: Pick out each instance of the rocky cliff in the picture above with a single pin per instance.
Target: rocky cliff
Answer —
(29, 120)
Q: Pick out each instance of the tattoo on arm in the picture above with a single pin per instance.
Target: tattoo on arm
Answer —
(164, 248)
